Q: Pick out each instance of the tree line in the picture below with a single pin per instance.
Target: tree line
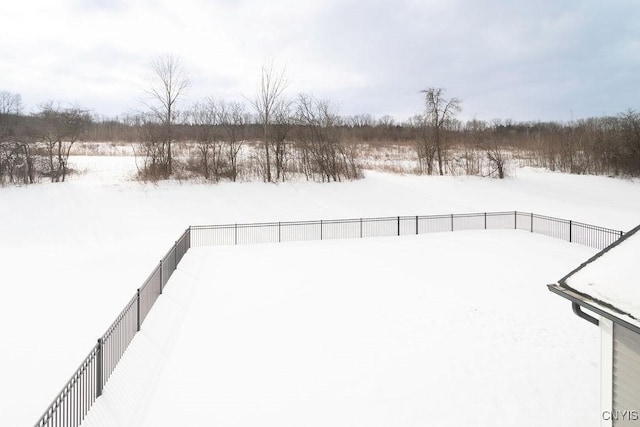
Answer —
(297, 136)
(274, 137)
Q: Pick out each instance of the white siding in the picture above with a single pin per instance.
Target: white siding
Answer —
(626, 377)
(606, 371)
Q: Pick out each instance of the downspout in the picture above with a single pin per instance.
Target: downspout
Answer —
(578, 312)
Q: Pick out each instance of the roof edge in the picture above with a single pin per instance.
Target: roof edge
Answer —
(626, 235)
(601, 308)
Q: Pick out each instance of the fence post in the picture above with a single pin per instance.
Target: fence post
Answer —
(138, 310)
(279, 232)
(515, 220)
(485, 220)
(99, 369)
(235, 235)
(417, 224)
(398, 226)
(451, 222)
(320, 229)
(161, 284)
(570, 227)
(361, 228)
(531, 215)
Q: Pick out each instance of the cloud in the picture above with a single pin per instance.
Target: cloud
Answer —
(524, 60)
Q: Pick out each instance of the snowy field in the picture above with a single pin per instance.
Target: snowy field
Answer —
(72, 255)
(450, 329)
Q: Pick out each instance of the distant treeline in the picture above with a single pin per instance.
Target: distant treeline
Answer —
(306, 137)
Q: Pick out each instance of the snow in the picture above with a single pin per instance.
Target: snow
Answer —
(444, 329)
(72, 254)
(613, 277)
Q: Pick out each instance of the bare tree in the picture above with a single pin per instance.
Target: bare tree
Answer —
(272, 85)
(10, 153)
(10, 109)
(61, 128)
(630, 141)
(167, 87)
(497, 158)
(283, 121)
(320, 141)
(233, 120)
(425, 145)
(438, 113)
(204, 116)
(150, 147)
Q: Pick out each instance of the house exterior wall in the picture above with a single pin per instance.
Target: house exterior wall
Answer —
(606, 371)
(625, 379)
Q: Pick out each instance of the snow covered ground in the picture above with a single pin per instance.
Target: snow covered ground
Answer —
(444, 329)
(72, 254)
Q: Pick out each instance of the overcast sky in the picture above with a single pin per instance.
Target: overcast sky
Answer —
(518, 59)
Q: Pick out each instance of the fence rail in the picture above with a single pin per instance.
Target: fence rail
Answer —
(71, 405)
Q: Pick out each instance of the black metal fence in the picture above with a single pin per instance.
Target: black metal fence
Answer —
(274, 232)
(74, 401)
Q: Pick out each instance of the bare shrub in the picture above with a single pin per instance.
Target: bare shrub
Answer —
(321, 151)
(233, 120)
(204, 117)
(60, 129)
(151, 151)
